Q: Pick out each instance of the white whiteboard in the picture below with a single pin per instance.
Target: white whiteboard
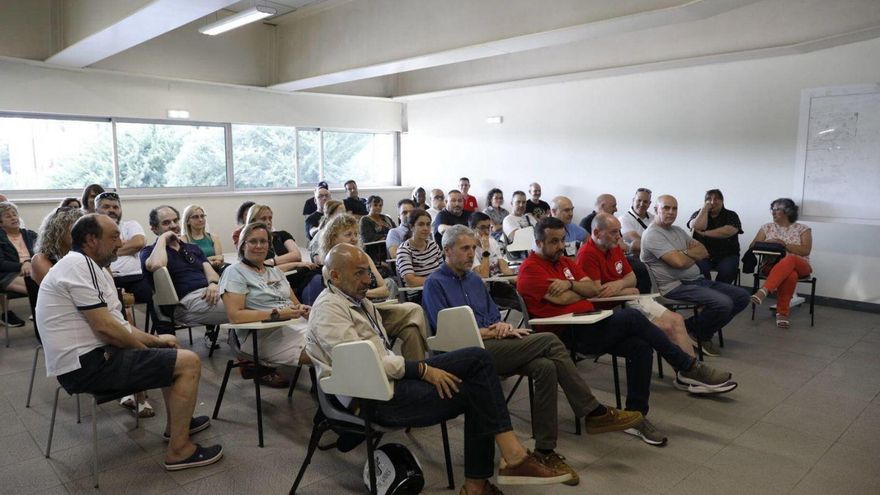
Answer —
(837, 175)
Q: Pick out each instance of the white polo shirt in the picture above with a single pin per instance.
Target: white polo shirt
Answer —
(130, 264)
(74, 284)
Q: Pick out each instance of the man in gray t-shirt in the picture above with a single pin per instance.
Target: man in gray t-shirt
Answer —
(672, 255)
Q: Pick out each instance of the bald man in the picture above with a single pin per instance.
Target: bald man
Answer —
(605, 203)
(672, 255)
(535, 205)
(425, 392)
(562, 208)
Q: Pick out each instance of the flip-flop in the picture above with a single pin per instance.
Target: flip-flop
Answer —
(128, 402)
(145, 410)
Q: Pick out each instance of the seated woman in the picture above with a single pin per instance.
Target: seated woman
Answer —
(54, 240)
(283, 253)
(496, 211)
(90, 192)
(403, 321)
(418, 256)
(16, 251)
(70, 203)
(375, 226)
(782, 277)
(253, 291)
(488, 259)
(194, 232)
(332, 209)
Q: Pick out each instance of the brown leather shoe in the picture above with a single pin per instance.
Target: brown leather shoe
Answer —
(557, 461)
(489, 489)
(613, 420)
(531, 471)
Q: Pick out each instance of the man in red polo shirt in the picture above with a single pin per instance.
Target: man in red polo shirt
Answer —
(552, 284)
(602, 259)
(470, 202)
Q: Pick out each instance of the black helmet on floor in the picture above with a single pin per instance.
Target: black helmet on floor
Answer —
(398, 472)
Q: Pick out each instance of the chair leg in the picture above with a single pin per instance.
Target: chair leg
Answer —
(95, 439)
(229, 366)
(659, 366)
(52, 422)
(317, 432)
(513, 390)
(449, 476)
(78, 414)
(257, 392)
(531, 384)
(215, 332)
(813, 302)
(371, 460)
(5, 307)
(190, 336)
(616, 381)
(293, 382)
(721, 337)
(33, 372)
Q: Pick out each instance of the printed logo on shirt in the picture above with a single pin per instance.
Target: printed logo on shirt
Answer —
(618, 266)
(568, 274)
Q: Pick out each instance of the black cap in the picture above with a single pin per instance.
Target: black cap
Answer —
(323, 185)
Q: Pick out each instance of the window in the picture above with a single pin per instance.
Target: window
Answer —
(55, 154)
(365, 157)
(170, 155)
(308, 156)
(264, 156)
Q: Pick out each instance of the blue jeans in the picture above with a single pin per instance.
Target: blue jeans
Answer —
(629, 334)
(726, 266)
(720, 301)
(480, 399)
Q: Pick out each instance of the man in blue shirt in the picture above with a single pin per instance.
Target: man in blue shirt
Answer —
(562, 208)
(541, 356)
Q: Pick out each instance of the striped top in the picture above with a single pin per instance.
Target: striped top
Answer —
(419, 263)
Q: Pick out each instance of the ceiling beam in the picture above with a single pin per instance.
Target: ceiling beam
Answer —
(687, 12)
(154, 19)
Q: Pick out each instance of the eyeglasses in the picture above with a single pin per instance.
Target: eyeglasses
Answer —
(112, 196)
(643, 190)
(438, 197)
(777, 208)
(198, 217)
(257, 242)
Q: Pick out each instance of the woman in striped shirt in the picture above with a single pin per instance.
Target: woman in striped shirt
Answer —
(419, 255)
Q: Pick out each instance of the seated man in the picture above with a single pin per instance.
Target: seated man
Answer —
(353, 203)
(91, 348)
(126, 269)
(605, 203)
(518, 219)
(552, 284)
(718, 229)
(425, 392)
(563, 209)
(536, 206)
(438, 202)
(542, 356)
(397, 235)
(632, 224)
(193, 276)
(602, 259)
(672, 255)
(310, 205)
(322, 195)
(454, 214)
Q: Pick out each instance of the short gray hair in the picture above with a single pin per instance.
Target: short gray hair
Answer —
(450, 237)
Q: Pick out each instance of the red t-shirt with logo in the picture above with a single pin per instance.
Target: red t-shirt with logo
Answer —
(470, 203)
(535, 275)
(602, 266)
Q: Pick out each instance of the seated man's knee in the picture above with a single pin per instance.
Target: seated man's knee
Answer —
(187, 361)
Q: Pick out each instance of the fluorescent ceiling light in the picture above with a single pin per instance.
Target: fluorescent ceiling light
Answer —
(178, 114)
(237, 20)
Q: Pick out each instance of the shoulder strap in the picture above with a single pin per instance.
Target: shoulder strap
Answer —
(637, 219)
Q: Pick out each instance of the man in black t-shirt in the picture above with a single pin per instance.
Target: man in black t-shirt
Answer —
(354, 204)
(310, 206)
(453, 214)
(534, 205)
(322, 195)
(718, 229)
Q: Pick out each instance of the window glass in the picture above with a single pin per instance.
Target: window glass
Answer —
(309, 156)
(364, 157)
(54, 154)
(170, 155)
(264, 156)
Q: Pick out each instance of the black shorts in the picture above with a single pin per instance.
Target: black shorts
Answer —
(111, 370)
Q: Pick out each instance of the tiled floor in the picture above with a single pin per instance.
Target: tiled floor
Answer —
(805, 419)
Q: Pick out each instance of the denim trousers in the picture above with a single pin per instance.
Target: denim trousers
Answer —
(720, 301)
(480, 399)
(629, 334)
(726, 266)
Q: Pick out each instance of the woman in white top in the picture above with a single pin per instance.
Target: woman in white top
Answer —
(797, 239)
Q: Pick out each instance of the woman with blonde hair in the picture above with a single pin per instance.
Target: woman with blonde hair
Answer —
(195, 225)
(53, 241)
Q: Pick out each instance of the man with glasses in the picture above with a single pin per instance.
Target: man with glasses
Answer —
(438, 203)
(632, 224)
(563, 209)
(126, 270)
(322, 195)
(193, 276)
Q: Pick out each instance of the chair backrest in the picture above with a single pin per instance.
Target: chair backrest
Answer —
(358, 372)
(33, 289)
(165, 294)
(523, 240)
(456, 329)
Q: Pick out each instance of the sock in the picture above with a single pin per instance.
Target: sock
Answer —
(599, 411)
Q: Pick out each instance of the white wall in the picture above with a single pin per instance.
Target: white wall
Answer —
(731, 126)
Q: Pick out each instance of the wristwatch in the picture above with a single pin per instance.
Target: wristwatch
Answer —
(275, 315)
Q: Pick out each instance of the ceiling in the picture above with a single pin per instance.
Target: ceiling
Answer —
(420, 48)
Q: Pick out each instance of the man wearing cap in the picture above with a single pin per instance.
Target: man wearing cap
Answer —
(322, 195)
(310, 205)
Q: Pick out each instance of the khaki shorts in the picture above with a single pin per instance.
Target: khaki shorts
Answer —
(648, 306)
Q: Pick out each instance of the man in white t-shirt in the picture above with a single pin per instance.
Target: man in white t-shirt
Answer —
(632, 225)
(438, 202)
(91, 348)
(126, 269)
(519, 219)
